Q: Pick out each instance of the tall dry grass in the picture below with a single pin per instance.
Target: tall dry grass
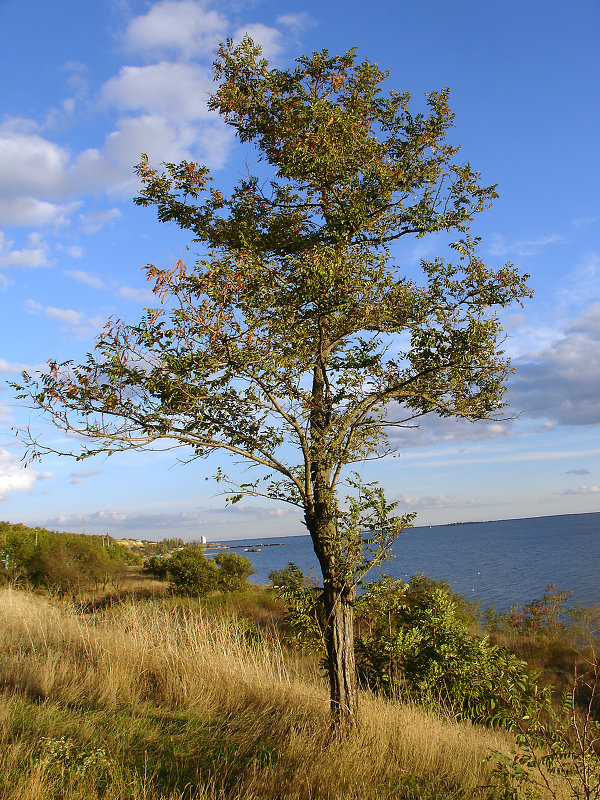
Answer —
(243, 721)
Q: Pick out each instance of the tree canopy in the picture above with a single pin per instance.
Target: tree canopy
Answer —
(293, 338)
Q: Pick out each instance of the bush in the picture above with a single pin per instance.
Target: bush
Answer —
(191, 573)
(157, 567)
(63, 562)
(305, 618)
(234, 571)
(419, 644)
(413, 639)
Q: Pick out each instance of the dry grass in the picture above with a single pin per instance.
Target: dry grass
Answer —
(189, 706)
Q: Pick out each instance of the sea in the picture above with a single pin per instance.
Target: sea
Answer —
(501, 564)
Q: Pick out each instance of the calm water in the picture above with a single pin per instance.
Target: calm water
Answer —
(496, 563)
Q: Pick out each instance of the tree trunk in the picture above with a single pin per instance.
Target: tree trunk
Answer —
(339, 637)
(338, 599)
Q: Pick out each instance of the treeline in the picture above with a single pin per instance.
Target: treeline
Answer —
(64, 562)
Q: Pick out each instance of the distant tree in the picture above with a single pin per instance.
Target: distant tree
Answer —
(234, 571)
(65, 562)
(297, 338)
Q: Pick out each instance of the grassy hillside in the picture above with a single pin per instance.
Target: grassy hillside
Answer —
(162, 700)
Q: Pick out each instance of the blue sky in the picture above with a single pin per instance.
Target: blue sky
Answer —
(86, 87)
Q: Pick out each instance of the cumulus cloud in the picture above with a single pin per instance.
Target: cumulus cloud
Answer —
(30, 165)
(128, 522)
(30, 211)
(583, 490)
(81, 476)
(434, 501)
(183, 27)
(581, 471)
(434, 430)
(169, 89)
(296, 22)
(583, 281)
(562, 382)
(140, 295)
(259, 512)
(75, 322)
(12, 367)
(64, 315)
(34, 254)
(14, 477)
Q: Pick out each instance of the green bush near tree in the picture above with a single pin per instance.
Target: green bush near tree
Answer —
(414, 640)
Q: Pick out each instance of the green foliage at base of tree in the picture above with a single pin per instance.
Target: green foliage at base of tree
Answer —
(413, 640)
(418, 644)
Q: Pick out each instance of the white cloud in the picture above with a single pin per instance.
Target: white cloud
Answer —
(75, 251)
(582, 282)
(111, 169)
(140, 295)
(31, 166)
(84, 277)
(521, 247)
(584, 490)
(14, 477)
(82, 475)
(176, 91)
(296, 22)
(182, 26)
(434, 430)
(64, 315)
(10, 367)
(118, 520)
(94, 221)
(35, 254)
(433, 501)
(258, 512)
(4, 282)
(29, 211)
(268, 38)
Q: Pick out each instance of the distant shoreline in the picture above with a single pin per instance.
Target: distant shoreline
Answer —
(264, 541)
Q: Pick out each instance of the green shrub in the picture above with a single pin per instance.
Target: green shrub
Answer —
(305, 617)
(234, 571)
(157, 567)
(191, 573)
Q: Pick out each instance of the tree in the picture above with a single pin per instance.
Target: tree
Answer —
(294, 341)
